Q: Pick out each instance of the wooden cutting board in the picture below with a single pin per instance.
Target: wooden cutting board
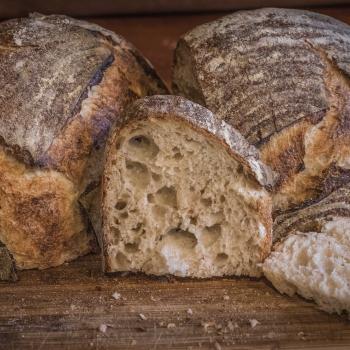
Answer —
(71, 307)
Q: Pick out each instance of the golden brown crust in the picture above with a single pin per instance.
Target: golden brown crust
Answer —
(57, 125)
(124, 81)
(40, 210)
(280, 77)
(312, 156)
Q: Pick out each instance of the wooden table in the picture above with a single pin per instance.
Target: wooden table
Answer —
(71, 307)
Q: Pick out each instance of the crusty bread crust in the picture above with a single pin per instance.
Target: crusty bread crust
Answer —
(65, 83)
(201, 120)
(312, 216)
(281, 78)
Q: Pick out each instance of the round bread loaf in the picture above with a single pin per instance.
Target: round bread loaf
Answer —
(64, 83)
(281, 77)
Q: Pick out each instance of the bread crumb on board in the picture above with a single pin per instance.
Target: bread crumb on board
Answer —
(189, 311)
(253, 322)
(143, 317)
(301, 335)
(103, 328)
(217, 346)
(231, 326)
(116, 295)
(171, 325)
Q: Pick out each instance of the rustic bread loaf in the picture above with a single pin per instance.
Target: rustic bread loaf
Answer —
(315, 265)
(281, 78)
(64, 83)
(183, 193)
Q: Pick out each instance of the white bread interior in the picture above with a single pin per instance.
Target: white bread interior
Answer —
(177, 202)
(315, 265)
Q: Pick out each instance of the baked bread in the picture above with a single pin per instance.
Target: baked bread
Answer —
(280, 77)
(64, 83)
(183, 194)
(314, 216)
(315, 265)
(7, 266)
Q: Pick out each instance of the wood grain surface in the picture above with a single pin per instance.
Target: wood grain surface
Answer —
(65, 308)
(71, 307)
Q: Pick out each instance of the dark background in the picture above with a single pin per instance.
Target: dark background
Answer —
(16, 8)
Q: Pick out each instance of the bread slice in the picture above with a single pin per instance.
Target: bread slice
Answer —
(64, 83)
(281, 78)
(183, 194)
(316, 265)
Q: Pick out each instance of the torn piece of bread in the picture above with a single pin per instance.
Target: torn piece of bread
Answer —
(183, 194)
(315, 265)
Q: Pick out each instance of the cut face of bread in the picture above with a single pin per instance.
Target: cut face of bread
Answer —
(315, 265)
(177, 200)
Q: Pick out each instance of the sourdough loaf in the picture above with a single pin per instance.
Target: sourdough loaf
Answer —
(64, 83)
(281, 78)
(183, 193)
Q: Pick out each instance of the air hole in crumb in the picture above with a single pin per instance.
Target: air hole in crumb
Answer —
(131, 247)
(239, 169)
(115, 235)
(143, 147)
(222, 199)
(119, 143)
(137, 227)
(221, 259)
(116, 221)
(156, 177)
(188, 238)
(177, 154)
(211, 234)
(164, 196)
(122, 261)
(137, 173)
(206, 201)
(193, 221)
(124, 215)
(120, 205)
(159, 212)
(191, 188)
